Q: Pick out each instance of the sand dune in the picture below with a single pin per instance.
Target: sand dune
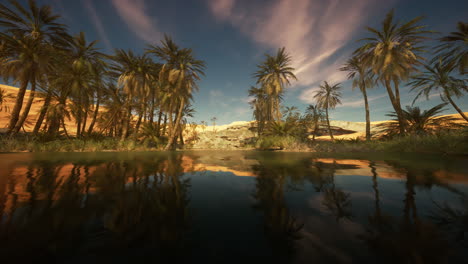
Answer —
(33, 113)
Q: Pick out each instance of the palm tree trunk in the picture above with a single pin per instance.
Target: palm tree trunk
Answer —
(164, 124)
(366, 104)
(95, 114)
(85, 119)
(138, 124)
(64, 127)
(25, 113)
(314, 133)
(158, 127)
(277, 106)
(153, 105)
(18, 105)
(396, 106)
(43, 112)
(449, 98)
(173, 132)
(181, 136)
(126, 122)
(328, 123)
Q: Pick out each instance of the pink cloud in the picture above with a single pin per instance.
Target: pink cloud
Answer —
(312, 31)
(97, 23)
(133, 12)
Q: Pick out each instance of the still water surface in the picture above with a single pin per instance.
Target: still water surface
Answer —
(229, 207)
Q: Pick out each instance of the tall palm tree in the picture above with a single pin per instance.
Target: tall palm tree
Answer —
(393, 54)
(328, 97)
(28, 34)
(362, 78)
(179, 75)
(259, 106)
(454, 50)
(314, 116)
(274, 74)
(80, 76)
(134, 76)
(436, 77)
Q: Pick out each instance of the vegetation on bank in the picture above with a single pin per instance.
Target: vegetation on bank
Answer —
(34, 144)
(453, 142)
(443, 142)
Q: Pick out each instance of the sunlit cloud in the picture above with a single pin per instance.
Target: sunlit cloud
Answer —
(314, 32)
(360, 102)
(134, 13)
(97, 23)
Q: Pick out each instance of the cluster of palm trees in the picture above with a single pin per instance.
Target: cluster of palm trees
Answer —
(118, 93)
(391, 57)
(273, 75)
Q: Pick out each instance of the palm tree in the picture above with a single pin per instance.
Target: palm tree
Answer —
(291, 112)
(134, 75)
(314, 116)
(26, 43)
(179, 75)
(213, 119)
(362, 78)
(328, 97)
(274, 74)
(81, 75)
(419, 122)
(259, 105)
(439, 77)
(454, 50)
(393, 54)
(114, 101)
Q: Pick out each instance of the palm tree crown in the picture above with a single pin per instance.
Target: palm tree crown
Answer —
(394, 52)
(440, 77)
(328, 96)
(454, 50)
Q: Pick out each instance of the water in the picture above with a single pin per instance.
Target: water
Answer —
(228, 207)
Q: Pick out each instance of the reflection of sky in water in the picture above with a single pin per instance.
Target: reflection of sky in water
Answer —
(237, 208)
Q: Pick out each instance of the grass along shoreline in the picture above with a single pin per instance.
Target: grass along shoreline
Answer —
(453, 142)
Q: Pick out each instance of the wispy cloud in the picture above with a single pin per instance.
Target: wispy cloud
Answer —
(315, 32)
(97, 23)
(307, 96)
(133, 12)
(360, 102)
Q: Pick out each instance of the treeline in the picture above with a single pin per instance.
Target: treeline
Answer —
(123, 94)
(390, 56)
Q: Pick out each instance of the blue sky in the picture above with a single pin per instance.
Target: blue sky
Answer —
(233, 36)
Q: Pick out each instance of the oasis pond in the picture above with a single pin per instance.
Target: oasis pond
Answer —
(233, 206)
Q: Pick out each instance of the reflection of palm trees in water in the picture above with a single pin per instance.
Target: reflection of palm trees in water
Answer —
(335, 200)
(153, 208)
(410, 241)
(36, 228)
(452, 220)
(116, 204)
(281, 228)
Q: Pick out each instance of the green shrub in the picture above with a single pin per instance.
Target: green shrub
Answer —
(280, 142)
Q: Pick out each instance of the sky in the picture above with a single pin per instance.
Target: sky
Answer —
(232, 37)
